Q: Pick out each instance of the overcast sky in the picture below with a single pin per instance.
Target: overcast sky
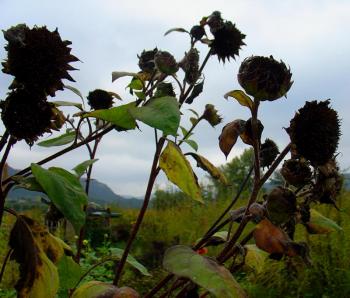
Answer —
(310, 36)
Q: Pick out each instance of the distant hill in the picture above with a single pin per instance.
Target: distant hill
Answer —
(99, 193)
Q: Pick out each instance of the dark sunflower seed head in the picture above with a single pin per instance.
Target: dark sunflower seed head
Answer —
(264, 78)
(100, 99)
(268, 153)
(296, 172)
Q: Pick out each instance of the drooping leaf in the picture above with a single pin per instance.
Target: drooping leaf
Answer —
(218, 238)
(98, 289)
(179, 171)
(205, 272)
(119, 74)
(197, 89)
(140, 95)
(82, 167)
(28, 183)
(207, 166)
(69, 274)
(192, 143)
(319, 224)
(185, 132)
(115, 95)
(176, 30)
(65, 191)
(135, 84)
(119, 116)
(242, 98)
(255, 257)
(194, 112)
(117, 252)
(162, 113)
(60, 103)
(64, 139)
(93, 289)
(74, 90)
(37, 252)
(230, 134)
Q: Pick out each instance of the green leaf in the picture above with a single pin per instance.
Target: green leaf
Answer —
(69, 274)
(255, 257)
(64, 139)
(74, 90)
(175, 30)
(60, 103)
(135, 84)
(65, 191)
(192, 143)
(179, 171)
(194, 112)
(119, 116)
(185, 132)
(119, 74)
(320, 224)
(81, 168)
(205, 272)
(242, 98)
(197, 89)
(140, 95)
(93, 289)
(117, 252)
(221, 235)
(207, 166)
(28, 183)
(162, 113)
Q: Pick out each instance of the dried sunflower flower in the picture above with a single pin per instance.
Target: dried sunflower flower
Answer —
(38, 58)
(146, 60)
(264, 78)
(315, 131)
(268, 153)
(100, 99)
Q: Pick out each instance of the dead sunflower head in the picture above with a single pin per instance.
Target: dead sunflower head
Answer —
(315, 131)
(190, 65)
(38, 58)
(146, 60)
(227, 41)
(296, 172)
(268, 153)
(100, 99)
(264, 78)
(197, 32)
(27, 115)
(165, 62)
(211, 115)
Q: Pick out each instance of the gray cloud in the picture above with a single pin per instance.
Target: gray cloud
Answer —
(107, 35)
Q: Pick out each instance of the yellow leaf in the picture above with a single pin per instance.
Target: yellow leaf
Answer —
(207, 166)
(241, 97)
(255, 257)
(179, 171)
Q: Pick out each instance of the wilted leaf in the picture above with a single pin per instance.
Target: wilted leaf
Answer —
(115, 95)
(230, 134)
(162, 113)
(65, 191)
(192, 143)
(60, 103)
(184, 262)
(247, 133)
(64, 139)
(74, 90)
(179, 171)
(82, 167)
(175, 30)
(197, 89)
(270, 238)
(69, 274)
(37, 251)
(207, 166)
(119, 116)
(320, 224)
(117, 252)
(216, 239)
(119, 74)
(241, 97)
(194, 112)
(255, 257)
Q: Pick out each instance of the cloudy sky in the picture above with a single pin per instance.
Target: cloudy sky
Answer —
(309, 36)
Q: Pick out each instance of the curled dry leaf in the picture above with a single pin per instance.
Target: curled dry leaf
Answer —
(37, 252)
(207, 166)
(230, 134)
